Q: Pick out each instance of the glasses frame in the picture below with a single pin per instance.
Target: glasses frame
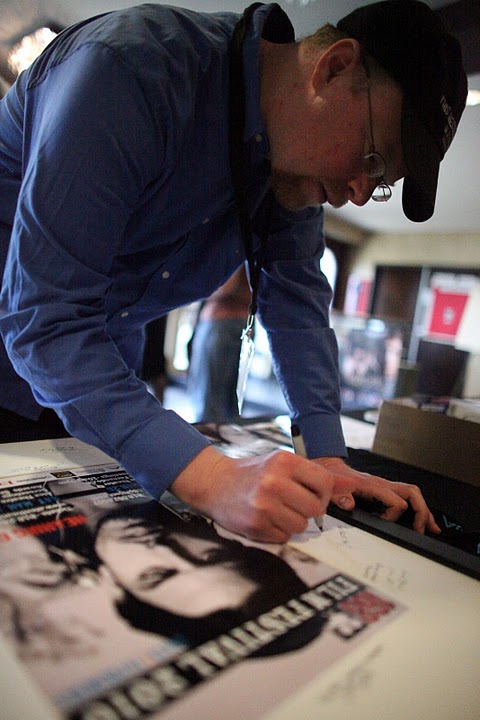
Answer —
(375, 166)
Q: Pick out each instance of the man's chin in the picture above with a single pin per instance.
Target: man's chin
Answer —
(291, 195)
(294, 207)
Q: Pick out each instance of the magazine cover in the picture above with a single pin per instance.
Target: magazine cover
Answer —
(121, 607)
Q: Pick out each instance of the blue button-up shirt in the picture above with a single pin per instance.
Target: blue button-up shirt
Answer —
(116, 203)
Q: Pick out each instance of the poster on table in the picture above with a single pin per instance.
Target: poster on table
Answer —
(121, 607)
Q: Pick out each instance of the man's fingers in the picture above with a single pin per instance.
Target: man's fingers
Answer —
(403, 496)
(312, 476)
(423, 517)
(292, 490)
(395, 507)
(389, 500)
(432, 525)
(298, 483)
(266, 498)
(396, 498)
(271, 497)
(346, 502)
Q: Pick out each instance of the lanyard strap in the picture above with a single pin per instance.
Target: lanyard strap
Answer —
(237, 155)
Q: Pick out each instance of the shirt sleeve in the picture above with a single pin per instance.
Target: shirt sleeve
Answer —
(89, 158)
(294, 301)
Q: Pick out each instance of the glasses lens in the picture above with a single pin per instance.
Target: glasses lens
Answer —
(374, 165)
(382, 193)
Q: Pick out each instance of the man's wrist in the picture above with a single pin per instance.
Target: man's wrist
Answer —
(195, 485)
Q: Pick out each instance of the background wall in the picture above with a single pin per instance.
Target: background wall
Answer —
(399, 249)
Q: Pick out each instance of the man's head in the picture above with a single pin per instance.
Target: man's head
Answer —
(408, 40)
(371, 101)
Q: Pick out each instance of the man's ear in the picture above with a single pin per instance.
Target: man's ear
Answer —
(341, 58)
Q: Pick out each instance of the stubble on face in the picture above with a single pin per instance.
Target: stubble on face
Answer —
(290, 191)
(297, 192)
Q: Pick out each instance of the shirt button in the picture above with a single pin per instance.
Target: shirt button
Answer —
(205, 221)
(124, 314)
(258, 137)
(165, 274)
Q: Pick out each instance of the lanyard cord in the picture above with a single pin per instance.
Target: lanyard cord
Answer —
(237, 156)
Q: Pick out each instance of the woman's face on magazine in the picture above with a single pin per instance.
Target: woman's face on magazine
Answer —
(185, 575)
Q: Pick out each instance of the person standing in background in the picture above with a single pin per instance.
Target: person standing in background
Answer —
(213, 371)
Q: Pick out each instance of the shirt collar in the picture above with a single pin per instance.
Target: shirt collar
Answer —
(271, 23)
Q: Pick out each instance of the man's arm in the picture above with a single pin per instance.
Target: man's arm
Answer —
(294, 308)
(87, 163)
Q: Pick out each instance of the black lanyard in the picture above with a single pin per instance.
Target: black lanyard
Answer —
(238, 167)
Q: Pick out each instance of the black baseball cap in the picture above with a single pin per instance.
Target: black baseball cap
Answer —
(409, 41)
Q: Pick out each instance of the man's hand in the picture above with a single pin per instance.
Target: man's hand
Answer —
(395, 496)
(267, 498)
(270, 497)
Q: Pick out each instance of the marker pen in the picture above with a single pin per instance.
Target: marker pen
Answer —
(299, 448)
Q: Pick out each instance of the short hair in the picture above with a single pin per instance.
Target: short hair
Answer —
(328, 35)
(325, 36)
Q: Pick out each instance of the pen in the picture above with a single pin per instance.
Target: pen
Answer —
(299, 448)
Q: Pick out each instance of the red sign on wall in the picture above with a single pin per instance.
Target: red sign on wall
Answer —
(447, 312)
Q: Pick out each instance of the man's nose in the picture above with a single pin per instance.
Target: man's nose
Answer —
(360, 189)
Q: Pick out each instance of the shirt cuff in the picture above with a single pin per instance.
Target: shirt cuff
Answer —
(159, 452)
(322, 435)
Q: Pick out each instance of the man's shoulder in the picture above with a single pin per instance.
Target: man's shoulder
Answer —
(145, 34)
(155, 25)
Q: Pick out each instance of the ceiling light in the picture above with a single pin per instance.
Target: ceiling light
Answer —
(28, 48)
(473, 98)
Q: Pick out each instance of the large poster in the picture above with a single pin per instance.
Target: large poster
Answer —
(121, 607)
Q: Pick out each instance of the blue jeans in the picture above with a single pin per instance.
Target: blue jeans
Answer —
(212, 377)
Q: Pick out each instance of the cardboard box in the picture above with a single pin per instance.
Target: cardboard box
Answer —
(465, 409)
(429, 440)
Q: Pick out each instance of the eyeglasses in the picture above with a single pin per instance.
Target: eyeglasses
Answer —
(373, 163)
